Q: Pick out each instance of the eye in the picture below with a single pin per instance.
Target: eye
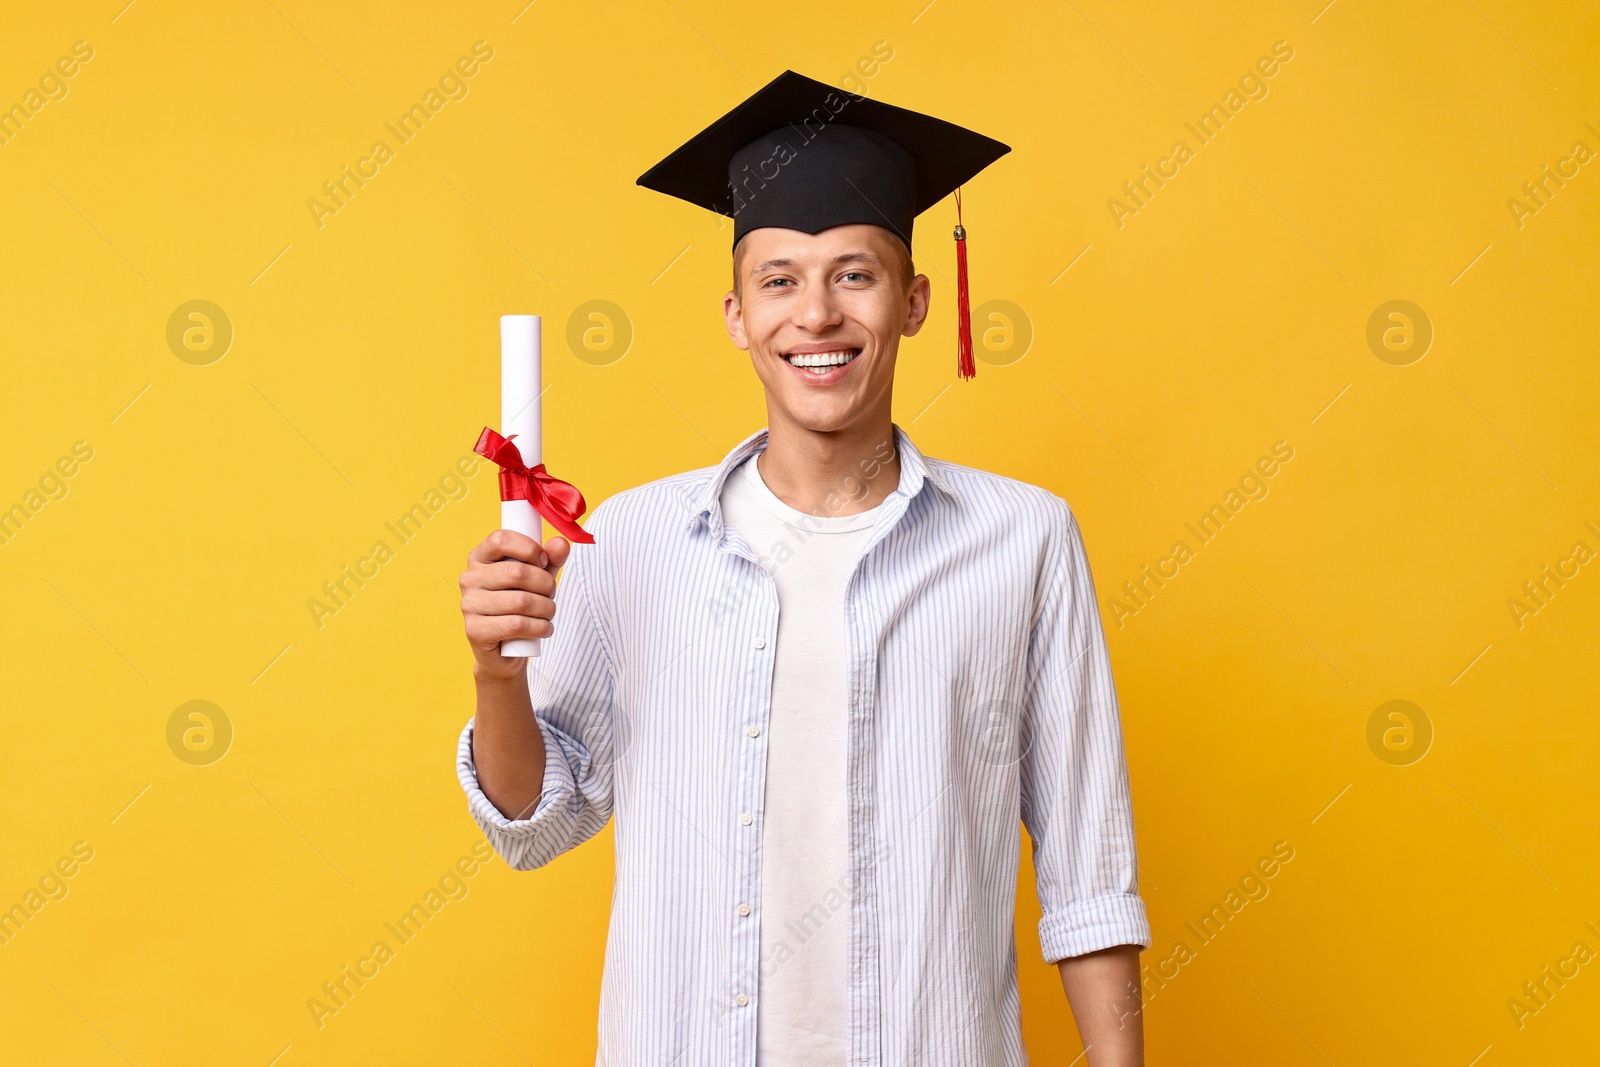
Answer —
(863, 275)
(773, 281)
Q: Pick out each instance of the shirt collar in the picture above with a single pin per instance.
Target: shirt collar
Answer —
(914, 470)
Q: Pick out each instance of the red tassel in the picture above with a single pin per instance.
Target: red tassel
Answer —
(964, 364)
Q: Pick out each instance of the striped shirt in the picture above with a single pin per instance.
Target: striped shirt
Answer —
(980, 697)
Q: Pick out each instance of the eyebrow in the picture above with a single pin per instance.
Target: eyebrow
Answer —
(787, 264)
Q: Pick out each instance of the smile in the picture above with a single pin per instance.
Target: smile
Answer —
(822, 364)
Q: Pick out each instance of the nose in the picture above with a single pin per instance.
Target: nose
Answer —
(817, 311)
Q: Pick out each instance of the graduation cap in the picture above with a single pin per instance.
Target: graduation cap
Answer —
(805, 155)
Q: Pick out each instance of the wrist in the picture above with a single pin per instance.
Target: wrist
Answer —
(499, 678)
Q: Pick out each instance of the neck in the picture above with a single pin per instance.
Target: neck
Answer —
(834, 472)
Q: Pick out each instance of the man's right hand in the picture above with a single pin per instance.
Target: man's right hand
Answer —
(508, 591)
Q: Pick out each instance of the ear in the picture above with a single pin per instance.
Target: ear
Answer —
(733, 315)
(918, 299)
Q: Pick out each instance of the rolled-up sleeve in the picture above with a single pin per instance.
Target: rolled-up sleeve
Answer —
(571, 684)
(1075, 793)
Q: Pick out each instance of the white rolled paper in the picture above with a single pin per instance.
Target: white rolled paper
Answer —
(520, 415)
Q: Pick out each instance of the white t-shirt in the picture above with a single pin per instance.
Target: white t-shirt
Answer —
(803, 999)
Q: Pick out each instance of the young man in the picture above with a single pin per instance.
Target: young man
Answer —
(821, 683)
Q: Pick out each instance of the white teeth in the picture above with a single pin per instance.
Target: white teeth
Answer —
(823, 359)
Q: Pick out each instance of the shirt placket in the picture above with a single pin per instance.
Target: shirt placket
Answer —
(862, 640)
(757, 634)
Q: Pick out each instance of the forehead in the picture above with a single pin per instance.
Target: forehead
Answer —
(775, 242)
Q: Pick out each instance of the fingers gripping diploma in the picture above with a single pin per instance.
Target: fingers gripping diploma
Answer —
(507, 592)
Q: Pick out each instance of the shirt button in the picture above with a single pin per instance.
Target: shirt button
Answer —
(741, 1000)
(753, 731)
(746, 819)
(761, 642)
(743, 909)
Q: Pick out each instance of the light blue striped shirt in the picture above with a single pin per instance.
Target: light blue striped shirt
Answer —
(980, 698)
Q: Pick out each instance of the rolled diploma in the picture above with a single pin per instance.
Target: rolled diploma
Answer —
(520, 415)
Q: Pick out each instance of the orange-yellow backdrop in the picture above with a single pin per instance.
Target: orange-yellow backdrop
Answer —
(1140, 361)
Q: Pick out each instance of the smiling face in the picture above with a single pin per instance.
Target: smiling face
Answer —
(837, 301)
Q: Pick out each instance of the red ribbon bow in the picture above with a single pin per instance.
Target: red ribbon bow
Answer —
(558, 501)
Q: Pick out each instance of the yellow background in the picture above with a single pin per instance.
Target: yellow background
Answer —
(1228, 314)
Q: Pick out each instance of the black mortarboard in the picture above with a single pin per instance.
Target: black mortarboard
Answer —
(805, 155)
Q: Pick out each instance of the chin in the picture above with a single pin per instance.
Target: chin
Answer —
(823, 417)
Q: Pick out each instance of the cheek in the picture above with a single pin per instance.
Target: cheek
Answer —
(763, 317)
(877, 315)
(762, 327)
